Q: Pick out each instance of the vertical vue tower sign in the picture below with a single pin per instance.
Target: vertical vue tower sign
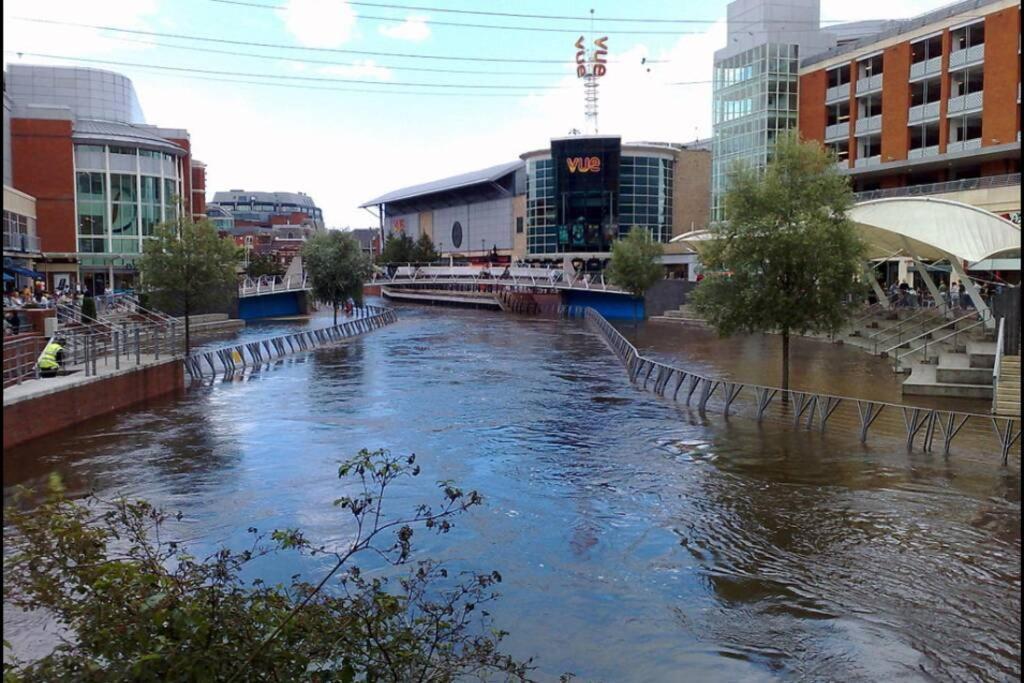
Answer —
(590, 66)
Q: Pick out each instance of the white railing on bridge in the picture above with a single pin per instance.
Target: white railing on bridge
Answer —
(523, 276)
(269, 284)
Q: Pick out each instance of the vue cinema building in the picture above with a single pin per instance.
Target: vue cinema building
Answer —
(560, 204)
(99, 176)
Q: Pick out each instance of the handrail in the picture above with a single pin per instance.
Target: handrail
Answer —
(934, 329)
(919, 321)
(900, 323)
(924, 346)
(996, 367)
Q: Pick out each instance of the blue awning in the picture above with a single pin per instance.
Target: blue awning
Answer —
(8, 277)
(24, 271)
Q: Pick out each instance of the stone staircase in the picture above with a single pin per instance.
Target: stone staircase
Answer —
(966, 374)
(684, 315)
(1008, 392)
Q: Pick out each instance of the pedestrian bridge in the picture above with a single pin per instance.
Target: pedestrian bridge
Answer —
(500, 276)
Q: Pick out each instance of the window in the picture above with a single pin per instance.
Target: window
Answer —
(924, 136)
(966, 82)
(92, 212)
(926, 49)
(966, 127)
(925, 92)
(871, 105)
(838, 112)
(123, 213)
(870, 66)
(968, 36)
(841, 149)
(838, 76)
(870, 146)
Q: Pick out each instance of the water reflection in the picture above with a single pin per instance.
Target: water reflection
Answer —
(638, 540)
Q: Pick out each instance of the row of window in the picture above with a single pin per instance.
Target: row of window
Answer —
(962, 38)
(113, 222)
(259, 207)
(961, 128)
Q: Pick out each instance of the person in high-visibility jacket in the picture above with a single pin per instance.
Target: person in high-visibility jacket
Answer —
(51, 358)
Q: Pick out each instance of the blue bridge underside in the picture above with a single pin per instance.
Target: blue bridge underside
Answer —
(611, 306)
(271, 305)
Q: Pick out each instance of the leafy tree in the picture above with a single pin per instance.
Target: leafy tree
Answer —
(423, 250)
(88, 309)
(186, 266)
(263, 264)
(337, 268)
(397, 249)
(141, 607)
(635, 264)
(786, 258)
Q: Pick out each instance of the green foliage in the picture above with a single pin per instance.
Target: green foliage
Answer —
(787, 258)
(423, 251)
(187, 266)
(88, 308)
(635, 264)
(138, 606)
(398, 249)
(263, 264)
(337, 268)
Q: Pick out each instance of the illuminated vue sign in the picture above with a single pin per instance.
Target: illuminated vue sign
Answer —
(586, 192)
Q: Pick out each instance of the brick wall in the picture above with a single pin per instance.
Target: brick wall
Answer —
(812, 119)
(32, 418)
(691, 191)
(43, 166)
(1002, 73)
(895, 102)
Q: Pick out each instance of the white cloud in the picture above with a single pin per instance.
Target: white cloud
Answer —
(319, 23)
(24, 36)
(362, 68)
(413, 29)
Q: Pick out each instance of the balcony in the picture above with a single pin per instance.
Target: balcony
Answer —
(869, 84)
(869, 124)
(969, 102)
(961, 58)
(922, 152)
(837, 131)
(868, 161)
(964, 145)
(923, 112)
(926, 68)
(843, 165)
(17, 241)
(837, 92)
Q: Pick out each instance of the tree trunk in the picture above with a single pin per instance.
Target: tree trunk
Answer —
(334, 304)
(785, 366)
(188, 335)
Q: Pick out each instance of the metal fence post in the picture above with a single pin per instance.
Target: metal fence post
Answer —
(117, 350)
(138, 351)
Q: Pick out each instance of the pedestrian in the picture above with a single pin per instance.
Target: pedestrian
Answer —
(962, 294)
(904, 291)
(51, 358)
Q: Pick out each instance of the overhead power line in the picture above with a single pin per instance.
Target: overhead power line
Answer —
(243, 74)
(553, 17)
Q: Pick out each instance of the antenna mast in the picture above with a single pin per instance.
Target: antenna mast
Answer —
(590, 66)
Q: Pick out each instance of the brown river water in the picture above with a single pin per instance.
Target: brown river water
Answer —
(638, 540)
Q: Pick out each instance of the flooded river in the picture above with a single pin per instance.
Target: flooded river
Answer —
(637, 541)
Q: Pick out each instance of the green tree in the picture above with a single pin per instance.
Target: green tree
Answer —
(263, 264)
(786, 258)
(88, 309)
(337, 268)
(141, 607)
(635, 264)
(397, 249)
(186, 266)
(424, 251)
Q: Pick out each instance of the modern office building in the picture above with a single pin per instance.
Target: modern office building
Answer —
(755, 84)
(567, 202)
(269, 223)
(930, 106)
(102, 178)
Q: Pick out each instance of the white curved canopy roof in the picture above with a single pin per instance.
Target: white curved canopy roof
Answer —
(932, 229)
(923, 227)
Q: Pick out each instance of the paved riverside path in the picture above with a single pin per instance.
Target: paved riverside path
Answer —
(31, 389)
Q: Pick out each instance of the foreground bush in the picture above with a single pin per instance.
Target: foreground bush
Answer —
(139, 607)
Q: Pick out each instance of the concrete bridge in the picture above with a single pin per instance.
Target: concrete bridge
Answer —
(498, 276)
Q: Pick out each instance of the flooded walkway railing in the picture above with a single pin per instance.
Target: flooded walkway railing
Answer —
(808, 410)
(228, 360)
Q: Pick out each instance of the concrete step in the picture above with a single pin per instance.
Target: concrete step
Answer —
(924, 382)
(204, 318)
(956, 368)
(982, 354)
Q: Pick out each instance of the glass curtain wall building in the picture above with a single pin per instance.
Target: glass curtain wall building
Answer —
(755, 85)
(122, 194)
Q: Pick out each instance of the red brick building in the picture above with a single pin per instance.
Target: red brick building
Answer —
(102, 177)
(929, 107)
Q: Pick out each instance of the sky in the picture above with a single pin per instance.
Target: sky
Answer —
(306, 109)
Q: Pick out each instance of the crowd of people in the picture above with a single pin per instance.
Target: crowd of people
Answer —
(954, 296)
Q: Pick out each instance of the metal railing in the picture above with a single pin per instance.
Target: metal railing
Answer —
(1000, 341)
(954, 335)
(920, 425)
(928, 334)
(903, 327)
(1006, 180)
(269, 284)
(228, 360)
(20, 241)
(551, 278)
(20, 357)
